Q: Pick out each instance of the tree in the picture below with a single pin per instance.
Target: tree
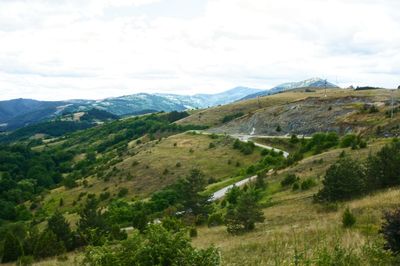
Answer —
(383, 169)
(60, 227)
(343, 180)
(12, 248)
(243, 216)
(48, 245)
(391, 230)
(140, 212)
(92, 225)
(192, 199)
(260, 180)
(233, 194)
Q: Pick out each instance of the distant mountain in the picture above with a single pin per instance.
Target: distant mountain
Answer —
(308, 83)
(21, 112)
(209, 100)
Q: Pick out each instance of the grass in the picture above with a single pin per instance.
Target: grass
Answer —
(144, 170)
(300, 232)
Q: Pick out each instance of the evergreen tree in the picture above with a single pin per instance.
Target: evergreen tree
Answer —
(48, 245)
(243, 216)
(192, 186)
(60, 227)
(12, 248)
(92, 225)
(343, 180)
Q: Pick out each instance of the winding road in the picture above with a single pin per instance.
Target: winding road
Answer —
(245, 138)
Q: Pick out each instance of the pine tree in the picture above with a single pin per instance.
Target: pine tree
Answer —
(243, 216)
(192, 186)
(60, 227)
(92, 225)
(12, 248)
(48, 245)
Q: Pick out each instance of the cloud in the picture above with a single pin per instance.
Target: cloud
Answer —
(98, 48)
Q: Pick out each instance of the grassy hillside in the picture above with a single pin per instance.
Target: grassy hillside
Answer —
(296, 230)
(150, 166)
(125, 174)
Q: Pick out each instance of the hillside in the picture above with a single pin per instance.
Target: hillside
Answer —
(162, 168)
(296, 230)
(306, 112)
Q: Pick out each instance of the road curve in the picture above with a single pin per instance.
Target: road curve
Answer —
(245, 138)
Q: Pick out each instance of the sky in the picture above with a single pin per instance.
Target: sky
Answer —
(92, 49)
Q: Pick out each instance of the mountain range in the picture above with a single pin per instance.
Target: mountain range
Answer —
(21, 112)
(308, 83)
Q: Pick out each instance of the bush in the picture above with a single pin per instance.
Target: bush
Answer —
(193, 232)
(348, 219)
(391, 230)
(307, 184)
(231, 117)
(289, 179)
(244, 147)
(295, 186)
(215, 219)
(157, 246)
(123, 192)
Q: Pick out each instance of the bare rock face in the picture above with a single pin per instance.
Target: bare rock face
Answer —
(303, 117)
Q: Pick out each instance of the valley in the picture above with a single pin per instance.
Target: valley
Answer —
(166, 168)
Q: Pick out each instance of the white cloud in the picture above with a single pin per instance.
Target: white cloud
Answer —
(94, 49)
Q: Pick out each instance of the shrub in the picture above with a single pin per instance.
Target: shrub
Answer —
(295, 186)
(231, 117)
(348, 219)
(391, 230)
(104, 195)
(193, 232)
(211, 145)
(123, 192)
(244, 147)
(215, 219)
(157, 246)
(289, 179)
(307, 184)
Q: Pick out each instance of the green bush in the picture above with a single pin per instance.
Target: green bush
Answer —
(348, 219)
(308, 183)
(193, 232)
(123, 192)
(157, 246)
(289, 179)
(215, 219)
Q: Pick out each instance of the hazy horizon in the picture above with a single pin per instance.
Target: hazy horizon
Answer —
(59, 50)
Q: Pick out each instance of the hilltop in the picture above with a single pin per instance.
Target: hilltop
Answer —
(306, 111)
